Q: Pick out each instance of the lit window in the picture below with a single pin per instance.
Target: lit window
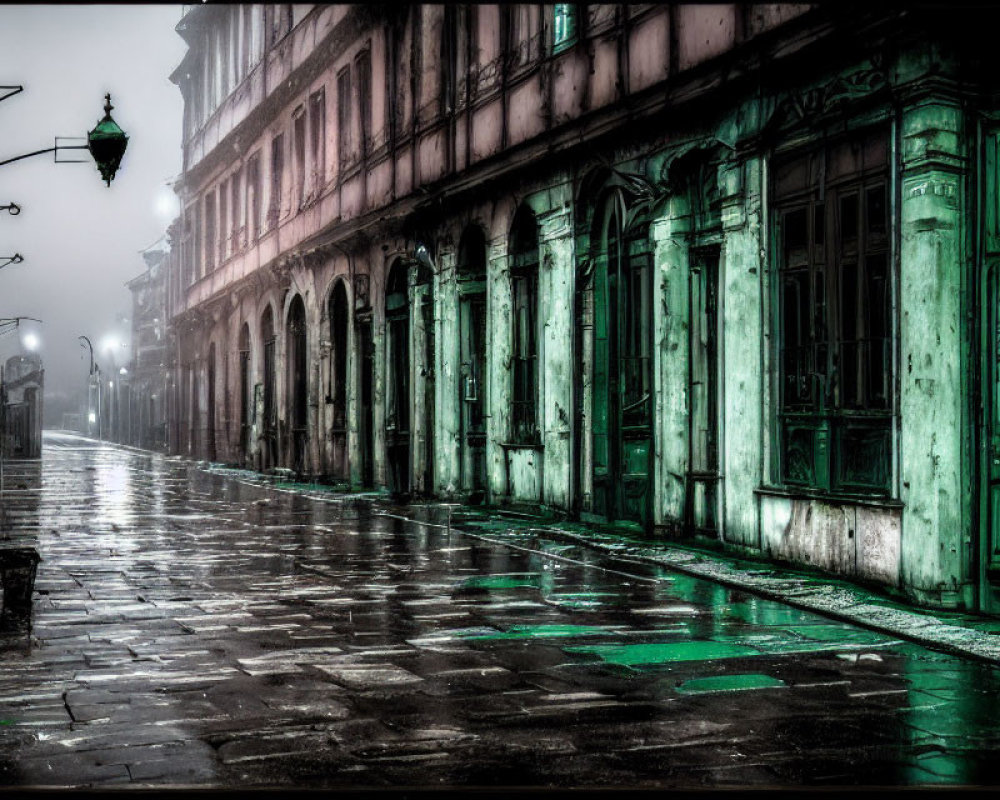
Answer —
(564, 27)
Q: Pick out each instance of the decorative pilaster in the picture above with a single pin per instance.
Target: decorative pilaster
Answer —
(555, 298)
(742, 380)
(447, 421)
(934, 479)
(671, 345)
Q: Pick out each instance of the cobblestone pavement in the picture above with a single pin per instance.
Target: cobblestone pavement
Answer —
(194, 629)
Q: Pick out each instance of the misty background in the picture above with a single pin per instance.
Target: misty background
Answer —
(81, 241)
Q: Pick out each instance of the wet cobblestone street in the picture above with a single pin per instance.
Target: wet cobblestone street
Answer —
(192, 628)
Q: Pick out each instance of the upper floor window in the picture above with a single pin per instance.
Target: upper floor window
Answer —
(834, 316)
(278, 22)
(254, 205)
(563, 26)
(344, 116)
(299, 146)
(449, 59)
(223, 220)
(210, 243)
(524, 288)
(317, 138)
(363, 85)
(237, 211)
(277, 174)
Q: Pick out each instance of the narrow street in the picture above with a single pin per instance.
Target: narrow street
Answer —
(192, 628)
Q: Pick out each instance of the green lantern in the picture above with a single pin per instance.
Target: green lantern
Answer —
(107, 143)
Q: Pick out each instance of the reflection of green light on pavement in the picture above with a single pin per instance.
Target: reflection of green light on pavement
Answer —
(729, 683)
(637, 654)
(838, 633)
(6, 722)
(512, 581)
(539, 632)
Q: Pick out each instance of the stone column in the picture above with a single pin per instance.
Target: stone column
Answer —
(447, 421)
(499, 349)
(742, 383)
(935, 463)
(671, 354)
(556, 283)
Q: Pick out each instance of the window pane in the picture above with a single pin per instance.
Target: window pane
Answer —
(849, 222)
(879, 363)
(875, 210)
(796, 238)
(863, 456)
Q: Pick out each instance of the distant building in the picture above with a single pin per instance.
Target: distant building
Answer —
(22, 382)
(724, 271)
(145, 387)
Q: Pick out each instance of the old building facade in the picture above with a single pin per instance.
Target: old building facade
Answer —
(146, 384)
(22, 388)
(703, 270)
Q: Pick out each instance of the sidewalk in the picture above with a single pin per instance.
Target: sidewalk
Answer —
(963, 634)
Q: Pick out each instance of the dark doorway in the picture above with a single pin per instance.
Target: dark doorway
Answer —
(269, 433)
(472, 362)
(337, 312)
(397, 359)
(210, 452)
(297, 384)
(246, 417)
(622, 347)
(195, 401)
(702, 503)
(366, 380)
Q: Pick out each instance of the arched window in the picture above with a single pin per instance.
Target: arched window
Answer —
(524, 289)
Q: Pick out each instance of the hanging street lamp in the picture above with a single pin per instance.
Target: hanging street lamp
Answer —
(107, 143)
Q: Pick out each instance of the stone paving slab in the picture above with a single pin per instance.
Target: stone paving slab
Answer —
(250, 636)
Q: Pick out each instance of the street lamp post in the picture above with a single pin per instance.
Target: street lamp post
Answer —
(92, 417)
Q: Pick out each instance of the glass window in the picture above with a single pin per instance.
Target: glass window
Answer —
(277, 171)
(344, 116)
(524, 286)
(363, 71)
(834, 317)
(299, 144)
(317, 138)
(563, 27)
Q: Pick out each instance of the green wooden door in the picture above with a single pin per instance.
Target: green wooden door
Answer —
(472, 372)
(991, 408)
(622, 405)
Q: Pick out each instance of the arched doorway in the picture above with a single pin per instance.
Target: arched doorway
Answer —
(210, 452)
(338, 316)
(397, 360)
(269, 429)
(471, 275)
(617, 352)
(246, 409)
(297, 384)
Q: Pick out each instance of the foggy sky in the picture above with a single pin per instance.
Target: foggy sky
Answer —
(81, 240)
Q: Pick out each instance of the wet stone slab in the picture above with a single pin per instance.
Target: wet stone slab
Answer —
(193, 629)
